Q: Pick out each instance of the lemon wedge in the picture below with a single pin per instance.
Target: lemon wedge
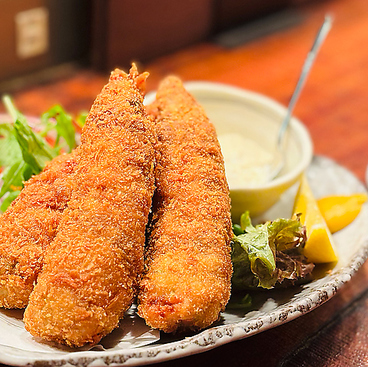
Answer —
(319, 247)
(341, 210)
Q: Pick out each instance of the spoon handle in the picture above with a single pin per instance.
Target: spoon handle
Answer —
(321, 35)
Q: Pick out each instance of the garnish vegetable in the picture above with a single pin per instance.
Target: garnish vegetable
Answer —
(268, 254)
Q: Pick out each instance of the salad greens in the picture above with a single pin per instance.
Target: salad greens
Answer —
(25, 151)
(268, 254)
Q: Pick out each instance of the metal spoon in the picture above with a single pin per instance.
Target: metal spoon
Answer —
(279, 158)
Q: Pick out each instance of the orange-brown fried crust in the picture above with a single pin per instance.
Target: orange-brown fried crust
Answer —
(90, 273)
(188, 263)
(28, 226)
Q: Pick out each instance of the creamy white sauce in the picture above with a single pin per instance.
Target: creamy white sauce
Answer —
(247, 163)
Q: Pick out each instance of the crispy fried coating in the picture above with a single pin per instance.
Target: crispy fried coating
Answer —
(28, 226)
(90, 273)
(188, 263)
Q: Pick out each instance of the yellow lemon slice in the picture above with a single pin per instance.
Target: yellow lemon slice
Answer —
(339, 211)
(319, 247)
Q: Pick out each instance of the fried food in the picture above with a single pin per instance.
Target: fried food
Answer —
(188, 264)
(28, 226)
(90, 270)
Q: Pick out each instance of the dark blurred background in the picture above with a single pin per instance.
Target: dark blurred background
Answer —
(42, 39)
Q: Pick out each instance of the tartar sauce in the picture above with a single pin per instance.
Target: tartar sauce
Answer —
(247, 163)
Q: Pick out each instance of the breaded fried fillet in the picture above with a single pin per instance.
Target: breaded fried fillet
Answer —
(28, 226)
(90, 273)
(188, 265)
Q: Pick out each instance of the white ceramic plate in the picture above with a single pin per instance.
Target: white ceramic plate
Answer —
(128, 344)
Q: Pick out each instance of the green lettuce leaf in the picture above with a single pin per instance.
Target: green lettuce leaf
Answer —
(260, 256)
(56, 118)
(13, 177)
(35, 151)
(9, 148)
(287, 234)
(268, 254)
(8, 198)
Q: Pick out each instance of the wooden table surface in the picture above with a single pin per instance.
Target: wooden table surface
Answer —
(333, 106)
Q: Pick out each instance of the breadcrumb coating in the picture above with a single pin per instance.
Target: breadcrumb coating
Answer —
(28, 226)
(188, 265)
(91, 268)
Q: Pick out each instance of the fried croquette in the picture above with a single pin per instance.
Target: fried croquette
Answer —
(188, 265)
(91, 268)
(28, 226)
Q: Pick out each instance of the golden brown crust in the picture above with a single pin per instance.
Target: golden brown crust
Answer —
(188, 263)
(91, 268)
(28, 226)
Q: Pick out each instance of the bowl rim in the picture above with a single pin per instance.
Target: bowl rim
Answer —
(301, 130)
